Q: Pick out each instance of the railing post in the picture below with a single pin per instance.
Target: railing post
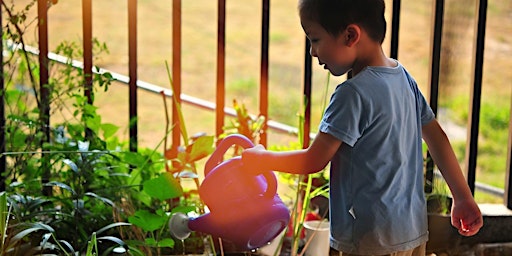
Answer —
(435, 61)
(87, 47)
(476, 94)
(308, 75)
(3, 162)
(87, 41)
(265, 23)
(44, 115)
(132, 70)
(508, 179)
(176, 74)
(221, 67)
(395, 29)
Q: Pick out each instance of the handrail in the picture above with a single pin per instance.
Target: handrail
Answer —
(200, 103)
(194, 101)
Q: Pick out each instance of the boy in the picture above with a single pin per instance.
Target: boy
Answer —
(371, 133)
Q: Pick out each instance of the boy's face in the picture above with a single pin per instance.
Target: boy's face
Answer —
(333, 52)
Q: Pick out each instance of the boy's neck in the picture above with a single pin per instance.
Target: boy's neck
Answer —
(371, 54)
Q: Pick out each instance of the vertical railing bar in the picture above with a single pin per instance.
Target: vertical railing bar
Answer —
(87, 47)
(176, 74)
(395, 28)
(132, 72)
(435, 61)
(221, 68)
(308, 77)
(42, 28)
(436, 54)
(508, 177)
(3, 160)
(476, 94)
(265, 23)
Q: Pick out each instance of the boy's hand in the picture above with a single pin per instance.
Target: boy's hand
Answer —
(252, 159)
(466, 217)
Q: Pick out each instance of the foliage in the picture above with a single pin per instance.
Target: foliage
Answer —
(78, 190)
(439, 200)
(74, 200)
(245, 124)
(163, 194)
(306, 187)
(70, 192)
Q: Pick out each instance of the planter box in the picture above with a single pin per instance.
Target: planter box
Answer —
(442, 236)
(493, 237)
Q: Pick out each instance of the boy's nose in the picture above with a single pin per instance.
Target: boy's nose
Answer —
(312, 52)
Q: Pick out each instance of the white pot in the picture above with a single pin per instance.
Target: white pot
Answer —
(317, 238)
(274, 245)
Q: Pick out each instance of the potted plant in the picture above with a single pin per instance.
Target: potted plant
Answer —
(439, 204)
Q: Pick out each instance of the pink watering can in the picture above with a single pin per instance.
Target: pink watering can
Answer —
(244, 208)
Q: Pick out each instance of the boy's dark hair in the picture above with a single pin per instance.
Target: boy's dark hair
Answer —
(335, 15)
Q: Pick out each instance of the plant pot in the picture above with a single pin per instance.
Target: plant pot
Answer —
(317, 237)
(442, 235)
(438, 203)
(273, 246)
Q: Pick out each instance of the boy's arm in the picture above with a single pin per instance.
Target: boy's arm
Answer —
(305, 161)
(466, 216)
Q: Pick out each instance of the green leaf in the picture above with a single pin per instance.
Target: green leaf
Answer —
(150, 241)
(3, 217)
(135, 177)
(109, 130)
(60, 185)
(94, 123)
(71, 165)
(103, 199)
(112, 225)
(184, 209)
(34, 227)
(68, 246)
(166, 242)
(163, 187)
(133, 158)
(91, 245)
(147, 221)
(19, 139)
(113, 239)
(202, 147)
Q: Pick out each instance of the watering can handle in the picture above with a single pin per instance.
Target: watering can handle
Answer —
(238, 139)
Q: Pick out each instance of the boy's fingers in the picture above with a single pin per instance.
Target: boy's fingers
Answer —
(471, 228)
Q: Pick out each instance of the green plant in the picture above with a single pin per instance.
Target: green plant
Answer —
(437, 194)
(439, 200)
(62, 190)
(244, 124)
(163, 194)
(304, 186)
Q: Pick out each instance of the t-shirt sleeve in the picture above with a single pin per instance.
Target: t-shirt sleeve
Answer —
(427, 115)
(424, 110)
(343, 117)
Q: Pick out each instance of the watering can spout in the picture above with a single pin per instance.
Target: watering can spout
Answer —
(180, 225)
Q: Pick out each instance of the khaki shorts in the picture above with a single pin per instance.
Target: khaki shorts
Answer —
(418, 251)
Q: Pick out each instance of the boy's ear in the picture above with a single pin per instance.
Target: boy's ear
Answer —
(352, 35)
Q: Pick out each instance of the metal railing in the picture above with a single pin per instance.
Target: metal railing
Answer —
(219, 106)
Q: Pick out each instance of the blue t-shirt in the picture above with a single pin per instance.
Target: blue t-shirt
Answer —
(376, 180)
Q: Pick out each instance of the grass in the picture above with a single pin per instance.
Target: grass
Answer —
(286, 59)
